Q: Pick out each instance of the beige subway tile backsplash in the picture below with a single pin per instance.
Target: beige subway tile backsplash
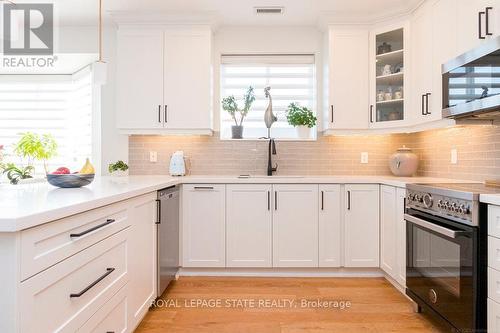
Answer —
(478, 154)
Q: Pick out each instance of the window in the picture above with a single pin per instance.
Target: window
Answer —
(291, 78)
(57, 104)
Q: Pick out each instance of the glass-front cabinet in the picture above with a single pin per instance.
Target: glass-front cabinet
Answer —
(388, 77)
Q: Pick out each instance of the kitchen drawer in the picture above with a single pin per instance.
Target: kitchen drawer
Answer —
(494, 284)
(63, 297)
(494, 221)
(112, 317)
(494, 253)
(493, 316)
(50, 243)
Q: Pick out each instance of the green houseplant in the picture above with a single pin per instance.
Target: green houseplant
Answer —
(230, 105)
(35, 147)
(119, 168)
(15, 173)
(302, 118)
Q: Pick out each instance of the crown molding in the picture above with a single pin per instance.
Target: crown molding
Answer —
(164, 18)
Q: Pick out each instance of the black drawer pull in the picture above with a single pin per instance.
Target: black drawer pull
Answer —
(203, 187)
(480, 23)
(108, 271)
(83, 233)
(487, 21)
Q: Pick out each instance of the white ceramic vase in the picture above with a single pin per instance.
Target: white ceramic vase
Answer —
(303, 132)
(403, 163)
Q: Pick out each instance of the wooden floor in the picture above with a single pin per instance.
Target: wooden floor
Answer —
(376, 306)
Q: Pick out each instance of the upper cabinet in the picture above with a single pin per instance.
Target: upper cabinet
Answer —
(346, 81)
(389, 66)
(164, 81)
(479, 22)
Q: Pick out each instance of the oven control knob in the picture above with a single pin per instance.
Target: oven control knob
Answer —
(466, 210)
(418, 198)
(440, 204)
(428, 201)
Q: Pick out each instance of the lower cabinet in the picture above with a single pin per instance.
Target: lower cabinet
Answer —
(393, 233)
(204, 225)
(249, 225)
(295, 225)
(142, 259)
(361, 236)
(330, 231)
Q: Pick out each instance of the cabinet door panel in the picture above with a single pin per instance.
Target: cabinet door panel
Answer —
(401, 236)
(330, 217)
(361, 225)
(295, 226)
(388, 230)
(348, 71)
(204, 225)
(139, 79)
(249, 226)
(187, 85)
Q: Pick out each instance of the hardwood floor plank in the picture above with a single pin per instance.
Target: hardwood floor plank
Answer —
(375, 306)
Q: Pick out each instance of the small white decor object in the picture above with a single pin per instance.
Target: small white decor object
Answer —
(177, 164)
(403, 163)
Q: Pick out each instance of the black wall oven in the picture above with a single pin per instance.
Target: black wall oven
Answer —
(445, 269)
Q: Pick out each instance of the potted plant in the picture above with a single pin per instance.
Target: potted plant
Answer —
(230, 105)
(15, 173)
(36, 147)
(119, 168)
(302, 118)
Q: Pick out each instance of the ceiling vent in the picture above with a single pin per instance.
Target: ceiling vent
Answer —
(269, 10)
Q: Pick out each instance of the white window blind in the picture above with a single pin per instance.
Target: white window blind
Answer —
(291, 78)
(60, 105)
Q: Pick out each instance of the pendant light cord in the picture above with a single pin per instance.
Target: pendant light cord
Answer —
(100, 31)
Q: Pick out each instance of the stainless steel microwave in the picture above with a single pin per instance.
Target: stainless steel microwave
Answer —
(471, 83)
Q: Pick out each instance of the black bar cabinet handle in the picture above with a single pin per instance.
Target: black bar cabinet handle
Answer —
(275, 200)
(348, 200)
(158, 211)
(480, 24)
(166, 113)
(268, 200)
(331, 111)
(203, 187)
(371, 113)
(322, 200)
(423, 105)
(90, 286)
(488, 32)
(159, 113)
(427, 112)
(83, 233)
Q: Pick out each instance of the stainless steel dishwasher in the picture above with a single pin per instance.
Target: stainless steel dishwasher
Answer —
(167, 236)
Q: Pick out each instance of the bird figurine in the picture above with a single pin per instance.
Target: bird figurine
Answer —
(269, 117)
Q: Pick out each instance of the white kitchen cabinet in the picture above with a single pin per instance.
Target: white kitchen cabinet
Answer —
(158, 73)
(203, 225)
(479, 21)
(139, 79)
(388, 230)
(401, 236)
(330, 219)
(389, 76)
(347, 56)
(361, 220)
(249, 225)
(142, 258)
(295, 225)
(422, 67)
(444, 48)
(393, 233)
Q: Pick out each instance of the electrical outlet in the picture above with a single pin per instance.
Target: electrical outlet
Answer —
(454, 156)
(364, 158)
(153, 157)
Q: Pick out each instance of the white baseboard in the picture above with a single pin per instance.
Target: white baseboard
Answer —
(283, 272)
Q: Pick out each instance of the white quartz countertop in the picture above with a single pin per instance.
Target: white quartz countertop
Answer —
(492, 199)
(28, 205)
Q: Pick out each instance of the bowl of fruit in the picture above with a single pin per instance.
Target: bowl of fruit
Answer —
(63, 177)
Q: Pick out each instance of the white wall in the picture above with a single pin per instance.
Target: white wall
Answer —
(84, 40)
(267, 40)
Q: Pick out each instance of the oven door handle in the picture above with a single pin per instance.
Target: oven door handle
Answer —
(434, 227)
